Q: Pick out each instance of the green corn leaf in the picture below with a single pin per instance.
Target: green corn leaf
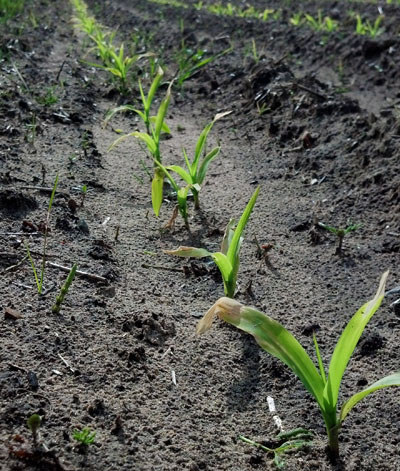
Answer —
(164, 127)
(234, 246)
(348, 341)
(206, 162)
(115, 71)
(153, 88)
(157, 190)
(162, 111)
(272, 337)
(182, 201)
(193, 252)
(146, 106)
(391, 380)
(226, 269)
(116, 110)
(168, 175)
(120, 139)
(181, 172)
(202, 141)
(228, 234)
(319, 358)
(188, 165)
(149, 141)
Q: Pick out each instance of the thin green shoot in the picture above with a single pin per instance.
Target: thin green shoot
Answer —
(340, 233)
(64, 290)
(279, 342)
(33, 423)
(39, 278)
(227, 259)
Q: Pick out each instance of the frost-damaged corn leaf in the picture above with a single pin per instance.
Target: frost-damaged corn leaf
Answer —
(348, 341)
(391, 380)
(157, 190)
(271, 336)
(112, 112)
(183, 251)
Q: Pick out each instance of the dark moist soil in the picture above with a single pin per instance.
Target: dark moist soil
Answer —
(122, 357)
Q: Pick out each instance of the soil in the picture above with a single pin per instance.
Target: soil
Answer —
(315, 122)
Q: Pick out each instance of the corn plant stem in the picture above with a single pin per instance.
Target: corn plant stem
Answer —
(333, 441)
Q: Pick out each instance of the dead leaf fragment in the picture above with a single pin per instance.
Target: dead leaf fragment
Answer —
(12, 314)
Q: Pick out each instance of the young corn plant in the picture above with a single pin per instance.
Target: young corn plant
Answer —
(368, 28)
(321, 24)
(146, 102)
(279, 342)
(152, 141)
(340, 233)
(196, 170)
(181, 195)
(227, 259)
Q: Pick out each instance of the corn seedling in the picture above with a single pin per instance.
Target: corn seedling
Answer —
(279, 342)
(291, 440)
(296, 19)
(34, 422)
(321, 24)
(191, 61)
(340, 233)
(181, 195)
(368, 28)
(64, 290)
(146, 102)
(152, 141)
(85, 437)
(39, 278)
(227, 260)
(197, 169)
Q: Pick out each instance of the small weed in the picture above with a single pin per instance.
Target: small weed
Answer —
(85, 436)
(10, 8)
(64, 290)
(49, 98)
(291, 440)
(340, 233)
